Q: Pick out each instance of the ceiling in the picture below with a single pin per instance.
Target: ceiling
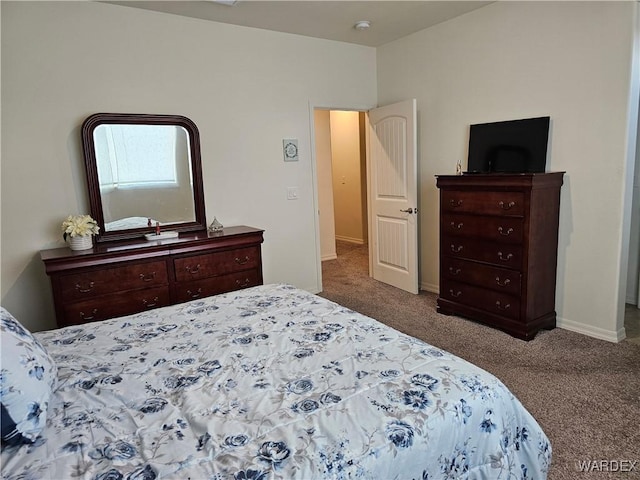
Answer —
(329, 19)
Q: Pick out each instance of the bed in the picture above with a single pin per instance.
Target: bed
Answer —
(270, 382)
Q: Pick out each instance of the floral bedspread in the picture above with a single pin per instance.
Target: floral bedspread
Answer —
(271, 382)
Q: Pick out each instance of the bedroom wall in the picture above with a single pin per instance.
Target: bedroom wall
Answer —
(508, 60)
(246, 89)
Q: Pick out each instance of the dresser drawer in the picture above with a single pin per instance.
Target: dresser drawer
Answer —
(114, 305)
(480, 274)
(481, 298)
(500, 229)
(216, 263)
(109, 280)
(195, 289)
(128, 276)
(482, 202)
(504, 255)
(498, 249)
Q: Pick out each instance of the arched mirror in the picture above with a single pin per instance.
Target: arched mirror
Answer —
(143, 169)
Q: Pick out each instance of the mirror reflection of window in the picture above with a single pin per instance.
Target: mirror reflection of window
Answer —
(144, 172)
(136, 156)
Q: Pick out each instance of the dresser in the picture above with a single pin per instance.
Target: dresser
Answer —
(124, 277)
(499, 248)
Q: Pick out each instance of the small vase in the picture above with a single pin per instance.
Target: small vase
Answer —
(215, 226)
(81, 242)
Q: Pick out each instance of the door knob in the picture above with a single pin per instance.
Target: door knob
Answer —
(409, 210)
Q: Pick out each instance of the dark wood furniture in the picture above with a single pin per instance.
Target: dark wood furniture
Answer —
(152, 201)
(498, 249)
(121, 278)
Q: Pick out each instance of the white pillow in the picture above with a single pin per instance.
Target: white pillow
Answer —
(28, 376)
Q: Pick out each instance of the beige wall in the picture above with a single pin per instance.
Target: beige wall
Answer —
(322, 129)
(508, 60)
(62, 61)
(632, 294)
(347, 176)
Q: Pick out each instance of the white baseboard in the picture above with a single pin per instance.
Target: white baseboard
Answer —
(430, 287)
(591, 331)
(315, 290)
(329, 256)
(588, 330)
(357, 241)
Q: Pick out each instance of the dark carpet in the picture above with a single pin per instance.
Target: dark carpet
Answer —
(584, 392)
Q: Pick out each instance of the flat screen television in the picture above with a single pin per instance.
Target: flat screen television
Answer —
(513, 146)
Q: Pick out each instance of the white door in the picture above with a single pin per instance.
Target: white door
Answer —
(393, 195)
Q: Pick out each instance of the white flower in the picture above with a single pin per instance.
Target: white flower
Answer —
(79, 226)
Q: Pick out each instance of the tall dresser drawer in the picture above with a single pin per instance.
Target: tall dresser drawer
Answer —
(114, 305)
(487, 300)
(216, 263)
(499, 229)
(494, 278)
(195, 289)
(109, 280)
(482, 202)
(499, 249)
(504, 255)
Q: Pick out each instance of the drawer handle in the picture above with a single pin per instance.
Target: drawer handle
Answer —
(147, 278)
(505, 233)
(242, 261)
(455, 203)
(195, 294)
(92, 317)
(242, 284)
(150, 305)
(453, 271)
(503, 284)
(192, 270)
(500, 307)
(505, 258)
(506, 206)
(457, 249)
(454, 294)
(82, 289)
(457, 226)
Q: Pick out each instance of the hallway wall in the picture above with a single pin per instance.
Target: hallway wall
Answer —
(322, 126)
(347, 177)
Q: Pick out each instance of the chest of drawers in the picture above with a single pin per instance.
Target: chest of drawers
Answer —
(121, 278)
(498, 249)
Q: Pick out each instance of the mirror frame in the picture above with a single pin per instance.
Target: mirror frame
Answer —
(93, 183)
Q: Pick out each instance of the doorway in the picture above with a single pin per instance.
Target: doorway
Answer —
(388, 193)
(340, 148)
(632, 305)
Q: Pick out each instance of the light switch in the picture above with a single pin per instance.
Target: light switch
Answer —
(292, 193)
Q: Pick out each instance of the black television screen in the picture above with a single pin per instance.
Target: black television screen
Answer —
(514, 146)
